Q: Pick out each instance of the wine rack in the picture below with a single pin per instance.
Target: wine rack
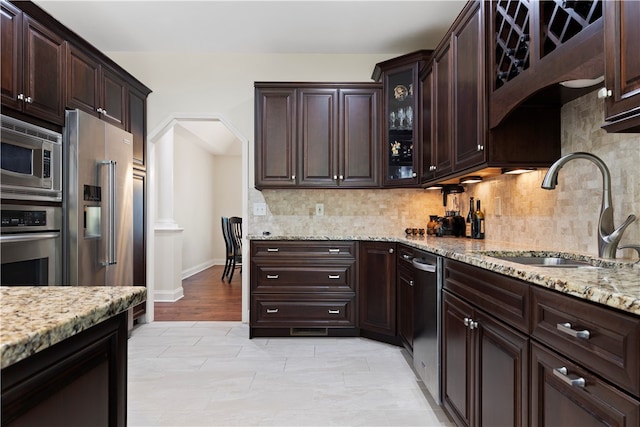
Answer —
(560, 21)
(512, 39)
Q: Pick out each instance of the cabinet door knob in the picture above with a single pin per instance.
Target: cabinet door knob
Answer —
(99, 110)
(28, 100)
(563, 374)
(410, 282)
(480, 147)
(604, 93)
(473, 325)
(341, 177)
(567, 329)
(391, 250)
(293, 177)
(272, 310)
(21, 97)
(467, 321)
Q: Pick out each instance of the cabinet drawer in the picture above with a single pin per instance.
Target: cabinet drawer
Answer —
(330, 310)
(558, 398)
(285, 277)
(601, 339)
(503, 297)
(303, 249)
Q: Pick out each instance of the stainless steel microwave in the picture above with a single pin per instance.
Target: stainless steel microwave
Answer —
(31, 161)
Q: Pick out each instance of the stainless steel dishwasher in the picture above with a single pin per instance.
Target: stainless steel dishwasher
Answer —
(427, 334)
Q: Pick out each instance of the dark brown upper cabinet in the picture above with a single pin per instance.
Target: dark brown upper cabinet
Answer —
(400, 118)
(32, 66)
(317, 135)
(436, 130)
(622, 69)
(534, 45)
(95, 88)
(457, 139)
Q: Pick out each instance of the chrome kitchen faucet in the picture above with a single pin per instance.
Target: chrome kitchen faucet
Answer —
(608, 236)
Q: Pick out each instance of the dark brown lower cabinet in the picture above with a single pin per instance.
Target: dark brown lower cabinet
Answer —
(377, 289)
(303, 288)
(81, 381)
(485, 367)
(565, 394)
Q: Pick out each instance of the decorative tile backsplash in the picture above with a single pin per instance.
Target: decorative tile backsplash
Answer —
(516, 208)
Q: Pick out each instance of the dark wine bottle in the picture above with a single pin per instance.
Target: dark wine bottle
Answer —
(478, 222)
(469, 230)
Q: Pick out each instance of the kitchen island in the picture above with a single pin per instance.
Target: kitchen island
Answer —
(63, 352)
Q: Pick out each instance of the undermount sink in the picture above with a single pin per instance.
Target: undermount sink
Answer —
(546, 261)
(555, 259)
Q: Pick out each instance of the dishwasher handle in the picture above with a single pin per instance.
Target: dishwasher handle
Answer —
(423, 265)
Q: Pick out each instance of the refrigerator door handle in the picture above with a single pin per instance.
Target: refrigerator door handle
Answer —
(110, 244)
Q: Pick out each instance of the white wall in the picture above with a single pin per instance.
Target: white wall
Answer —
(227, 190)
(205, 187)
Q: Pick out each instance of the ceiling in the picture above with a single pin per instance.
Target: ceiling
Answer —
(240, 26)
(261, 27)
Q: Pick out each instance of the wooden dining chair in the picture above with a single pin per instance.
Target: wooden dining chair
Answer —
(226, 233)
(235, 233)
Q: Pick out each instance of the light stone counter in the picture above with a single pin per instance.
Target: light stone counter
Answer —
(616, 285)
(34, 318)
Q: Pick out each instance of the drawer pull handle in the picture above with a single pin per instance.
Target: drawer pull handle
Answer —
(563, 374)
(272, 310)
(272, 276)
(334, 311)
(566, 328)
(334, 251)
(334, 276)
(272, 249)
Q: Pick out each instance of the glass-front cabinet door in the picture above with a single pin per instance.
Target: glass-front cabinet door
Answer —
(401, 154)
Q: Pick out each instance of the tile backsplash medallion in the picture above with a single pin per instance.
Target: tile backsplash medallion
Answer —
(516, 208)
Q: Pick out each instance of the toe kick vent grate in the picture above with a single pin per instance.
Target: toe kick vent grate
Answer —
(309, 332)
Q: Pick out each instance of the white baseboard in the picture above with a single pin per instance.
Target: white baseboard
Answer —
(168, 296)
(198, 268)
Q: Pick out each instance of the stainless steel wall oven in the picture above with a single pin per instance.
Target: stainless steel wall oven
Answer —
(31, 245)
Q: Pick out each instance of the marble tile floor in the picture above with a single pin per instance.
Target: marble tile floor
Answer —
(212, 374)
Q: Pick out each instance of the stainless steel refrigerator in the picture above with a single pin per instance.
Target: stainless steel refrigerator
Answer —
(98, 202)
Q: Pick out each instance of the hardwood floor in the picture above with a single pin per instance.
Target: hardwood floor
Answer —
(206, 297)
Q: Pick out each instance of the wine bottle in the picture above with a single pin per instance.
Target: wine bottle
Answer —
(469, 230)
(478, 229)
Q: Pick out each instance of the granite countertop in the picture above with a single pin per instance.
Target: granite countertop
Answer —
(615, 284)
(37, 317)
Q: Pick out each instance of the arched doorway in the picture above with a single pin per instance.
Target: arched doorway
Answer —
(198, 171)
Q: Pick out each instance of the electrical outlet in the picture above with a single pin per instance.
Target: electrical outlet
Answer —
(259, 209)
(319, 209)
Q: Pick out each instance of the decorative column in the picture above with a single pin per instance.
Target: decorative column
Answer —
(168, 236)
